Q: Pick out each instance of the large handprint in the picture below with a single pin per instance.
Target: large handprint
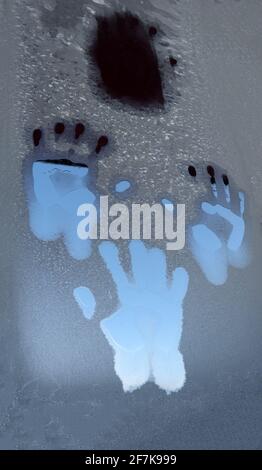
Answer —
(145, 331)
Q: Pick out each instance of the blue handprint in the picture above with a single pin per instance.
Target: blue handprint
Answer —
(145, 331)
(58, 192)
(213, 248)
(56, 187)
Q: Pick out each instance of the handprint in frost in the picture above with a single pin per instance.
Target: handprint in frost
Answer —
(219, 240)
(145, 331)
(58, 182)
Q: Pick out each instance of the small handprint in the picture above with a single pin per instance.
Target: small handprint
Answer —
(212, 246)
(145, 331)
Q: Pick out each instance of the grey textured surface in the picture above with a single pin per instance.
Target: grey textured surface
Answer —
(58, 388)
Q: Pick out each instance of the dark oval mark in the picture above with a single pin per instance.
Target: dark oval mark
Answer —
(192, 170)
(127, 60)
(152, 31)
(102, 142)
(210, 170)
(59, 128)
(37, 135)
(213, 180)
(79, 130)
(173, 61)
(225, 180)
